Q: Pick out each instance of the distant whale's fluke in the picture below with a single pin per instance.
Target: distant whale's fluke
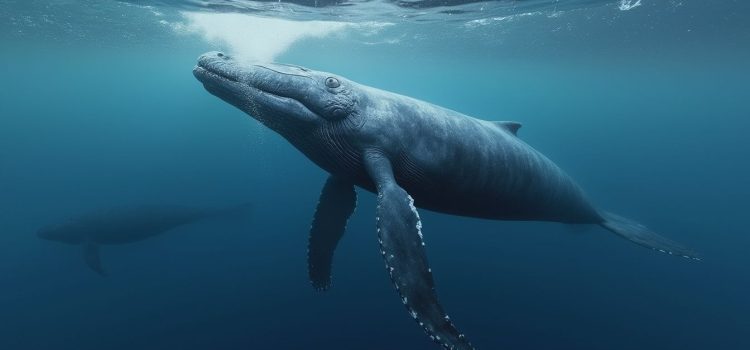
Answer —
(643, 236)
(91, 257)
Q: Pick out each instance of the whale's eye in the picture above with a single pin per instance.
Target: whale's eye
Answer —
(332, 83)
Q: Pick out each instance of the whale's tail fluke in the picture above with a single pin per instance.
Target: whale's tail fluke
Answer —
(643, 236)
(91, 256)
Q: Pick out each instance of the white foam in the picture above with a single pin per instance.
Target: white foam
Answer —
(510, 18)
(627, 5)
(255, 38)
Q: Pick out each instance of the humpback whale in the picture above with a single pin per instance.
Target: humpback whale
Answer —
(412, 154)
(124, 225)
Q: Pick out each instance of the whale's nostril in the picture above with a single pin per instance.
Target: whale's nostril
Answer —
(220, 54)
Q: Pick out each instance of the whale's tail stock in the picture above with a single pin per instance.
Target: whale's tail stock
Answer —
(643, 236)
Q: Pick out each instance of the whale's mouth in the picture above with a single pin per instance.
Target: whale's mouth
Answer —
(215, 77)
(206, 72)
(213, 74)
(253, 88)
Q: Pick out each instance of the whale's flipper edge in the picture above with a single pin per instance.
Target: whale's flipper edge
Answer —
(337, 202)
(400, 236)
(643, 236)
(91, 257)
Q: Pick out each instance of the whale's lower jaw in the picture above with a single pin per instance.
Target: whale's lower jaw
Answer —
(244, 90)
(246, 87)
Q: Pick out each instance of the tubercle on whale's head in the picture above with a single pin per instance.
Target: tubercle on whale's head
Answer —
(291, 100)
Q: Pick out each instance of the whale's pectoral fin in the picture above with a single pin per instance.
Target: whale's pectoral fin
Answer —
(337, 203)
(91, 256)
(400, 235)
(643, 236)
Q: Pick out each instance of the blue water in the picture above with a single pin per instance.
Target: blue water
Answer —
(646, 108)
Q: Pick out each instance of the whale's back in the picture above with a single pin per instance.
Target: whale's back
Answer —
(457, 164)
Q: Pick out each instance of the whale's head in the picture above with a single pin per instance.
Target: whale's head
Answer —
(291, 100)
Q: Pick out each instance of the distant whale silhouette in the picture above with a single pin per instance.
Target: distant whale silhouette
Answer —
(125, 225)
(412, 154)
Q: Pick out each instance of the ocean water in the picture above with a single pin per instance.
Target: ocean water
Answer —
(644, 103)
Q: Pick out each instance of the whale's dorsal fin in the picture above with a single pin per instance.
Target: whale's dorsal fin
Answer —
(510, 126)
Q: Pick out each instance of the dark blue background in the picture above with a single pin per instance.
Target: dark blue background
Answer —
(650, 118)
